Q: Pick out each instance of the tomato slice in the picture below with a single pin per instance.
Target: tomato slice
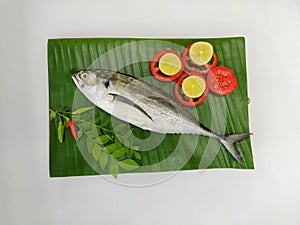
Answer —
(190, 66)
(182, 98)
(157, 73)
(221, 80)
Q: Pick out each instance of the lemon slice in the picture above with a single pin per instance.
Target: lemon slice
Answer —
(193, 86)
(201, 52)
(169, 64)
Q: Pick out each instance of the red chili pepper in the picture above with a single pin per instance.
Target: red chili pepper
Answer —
(182, 98)
(73, 129)
(156, 71)
(190, 66)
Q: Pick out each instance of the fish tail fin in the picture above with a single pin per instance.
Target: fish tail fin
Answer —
(229, 143)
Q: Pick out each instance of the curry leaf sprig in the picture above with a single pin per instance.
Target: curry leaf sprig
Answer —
(109, 146)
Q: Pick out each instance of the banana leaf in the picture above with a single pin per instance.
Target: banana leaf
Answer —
(157, 152)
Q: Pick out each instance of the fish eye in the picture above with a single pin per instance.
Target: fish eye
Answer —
(83, 76)
(88, 78)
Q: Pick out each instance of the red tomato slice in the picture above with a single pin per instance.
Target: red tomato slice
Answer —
(156, 71)
(190, 66)
(221, 80)
(182, 98)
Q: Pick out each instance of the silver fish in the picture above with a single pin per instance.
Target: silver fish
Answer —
(144, 105)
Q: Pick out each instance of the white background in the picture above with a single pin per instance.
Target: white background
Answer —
(268, 195)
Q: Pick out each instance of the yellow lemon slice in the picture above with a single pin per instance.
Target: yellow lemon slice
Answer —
(193, 86)
(201, 52)
(169, 64)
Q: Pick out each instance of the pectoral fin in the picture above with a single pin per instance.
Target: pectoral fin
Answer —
(127, 101)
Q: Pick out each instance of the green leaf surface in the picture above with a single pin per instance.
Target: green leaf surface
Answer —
(97, 119)
(93, 133)
(128, 164)
(114, 169)
(118, 128)
(82, 110)
(222, 114)
(76, 118)
(119, 153)
(85, 126)
(112, 147)
(105, 122)
(128, 133)
(79, 134)
(137, 155)
(96, 151)
(135, 147)
(103, 160)
(66, 125)
(90, 144)
(131, 151)
(103, 139)
(118, 143)
(52, 115)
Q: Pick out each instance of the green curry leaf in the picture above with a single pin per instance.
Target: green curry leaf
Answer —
(82, 110)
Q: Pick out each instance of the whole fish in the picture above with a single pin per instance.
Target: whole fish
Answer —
(146, 106)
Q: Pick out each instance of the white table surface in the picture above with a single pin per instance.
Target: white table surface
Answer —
(270, 194)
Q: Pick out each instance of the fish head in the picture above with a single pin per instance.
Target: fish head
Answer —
(94, 84)
(85, 78)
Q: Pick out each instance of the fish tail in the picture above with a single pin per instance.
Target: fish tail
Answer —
(229, 143)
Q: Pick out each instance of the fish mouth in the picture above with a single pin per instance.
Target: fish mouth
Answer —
(79, 83)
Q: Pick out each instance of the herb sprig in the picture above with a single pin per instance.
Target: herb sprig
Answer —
(109, 146)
